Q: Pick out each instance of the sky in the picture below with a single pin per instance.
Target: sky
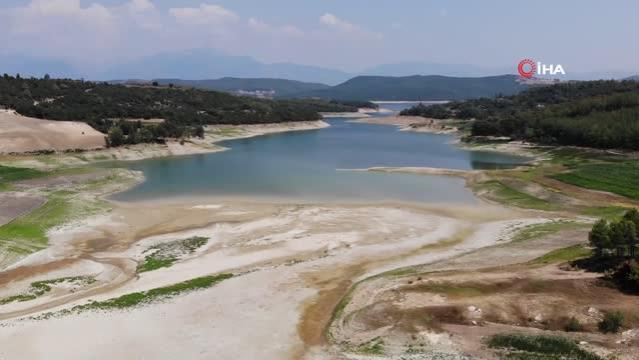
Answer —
(349, 35)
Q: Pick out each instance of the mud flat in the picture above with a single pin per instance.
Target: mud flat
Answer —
(287, 261)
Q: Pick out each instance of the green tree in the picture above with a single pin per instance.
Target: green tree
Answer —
(599, 236)
(617, 237)
(629, 231)
(633, 215)
(115, 136)
(143, 136)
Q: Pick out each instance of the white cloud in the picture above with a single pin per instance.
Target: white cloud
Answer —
(140, 5)
(90, 35)
(205, 14)
(40, 15)
(262, 27)
(333, 22)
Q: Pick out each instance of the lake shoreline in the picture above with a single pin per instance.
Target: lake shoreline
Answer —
(293, 262)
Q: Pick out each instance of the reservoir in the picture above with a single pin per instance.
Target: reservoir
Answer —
(308, 166)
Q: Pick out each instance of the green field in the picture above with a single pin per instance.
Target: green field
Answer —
(28, 233)
(620, 178)
(521, 346)
(9, 174)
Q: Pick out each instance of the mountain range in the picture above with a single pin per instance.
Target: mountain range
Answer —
(362, 88)
(211, 64)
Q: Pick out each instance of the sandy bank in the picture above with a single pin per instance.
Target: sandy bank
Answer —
(20, 134)
(190, 146)
(466, 174)
(413, 123)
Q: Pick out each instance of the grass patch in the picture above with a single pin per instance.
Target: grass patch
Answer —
(620, 178)
(33, 226)
(536, 231)
(510, 196)
(143, 297)
(373, 347)
(570, 253)
(164, 255)
(10, 174)
(40, 288)
(605, 212)
(28, 233)
(522, 346)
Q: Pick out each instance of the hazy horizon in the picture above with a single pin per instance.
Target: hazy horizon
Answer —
(92, 37)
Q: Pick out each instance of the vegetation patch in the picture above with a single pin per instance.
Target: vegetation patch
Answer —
(510, 196)
(10, 174)
(28, 233)
(606, 212)
(143, 297)
(619, 178)
(165, 254)
(612, 322)
(537, 231)
(39, 288)
(521, 346)
(570, 253)
(373, 347)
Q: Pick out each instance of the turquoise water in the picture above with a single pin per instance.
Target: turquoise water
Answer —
(304, 166)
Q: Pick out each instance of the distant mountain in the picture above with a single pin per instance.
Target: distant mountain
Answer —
(209, 64)
(635, 78)
(429, 68)
(279, 87)
(432, 87)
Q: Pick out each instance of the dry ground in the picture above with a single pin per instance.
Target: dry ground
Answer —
(19, 134)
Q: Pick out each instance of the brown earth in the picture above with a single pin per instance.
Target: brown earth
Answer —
(20, 134)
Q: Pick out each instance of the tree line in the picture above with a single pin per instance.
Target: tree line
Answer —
(109, 107)
(598, 114)
(616, 244)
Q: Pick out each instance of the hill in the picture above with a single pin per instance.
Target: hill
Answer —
(110, 108)
(267, 86)
(634, 78)
(598, 114)
(417, 87)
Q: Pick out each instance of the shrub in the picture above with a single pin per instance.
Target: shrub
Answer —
(611, 322)
(573, 325)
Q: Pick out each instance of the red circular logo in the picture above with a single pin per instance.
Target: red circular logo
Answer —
(527, 68)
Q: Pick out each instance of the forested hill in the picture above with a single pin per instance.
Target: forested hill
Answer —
(431, 87)
(599, 114)
(184, 110)
(280, 87)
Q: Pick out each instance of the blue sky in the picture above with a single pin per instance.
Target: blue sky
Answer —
(346, 34)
